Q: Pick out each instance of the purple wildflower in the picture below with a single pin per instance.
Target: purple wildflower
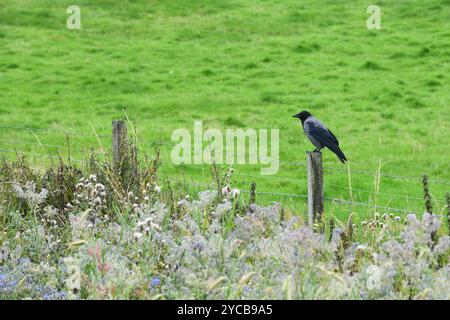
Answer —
(155, 282)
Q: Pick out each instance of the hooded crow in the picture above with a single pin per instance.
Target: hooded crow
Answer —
(319, 134)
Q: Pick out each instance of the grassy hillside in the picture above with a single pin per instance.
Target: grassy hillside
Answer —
(246, 64)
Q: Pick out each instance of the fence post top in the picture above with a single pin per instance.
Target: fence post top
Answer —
(313, 152)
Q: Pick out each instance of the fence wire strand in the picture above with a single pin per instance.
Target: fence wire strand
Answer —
(42, 145)
(41, 155)
(384, 194)
(293, 195)
(48, 130)
(364, 172)
(161, 142)
(378, 193)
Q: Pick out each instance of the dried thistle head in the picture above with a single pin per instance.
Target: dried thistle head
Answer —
(426, 194)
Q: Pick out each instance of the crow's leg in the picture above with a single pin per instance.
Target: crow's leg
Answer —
(318, 149)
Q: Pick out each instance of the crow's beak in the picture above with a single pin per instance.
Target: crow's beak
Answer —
(295, 116)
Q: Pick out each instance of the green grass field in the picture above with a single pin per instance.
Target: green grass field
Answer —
(239, 64)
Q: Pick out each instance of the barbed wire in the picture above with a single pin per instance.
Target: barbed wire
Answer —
(166, 142)
(378, 193)
(38, 144)
(161, 142)
(291, 195)
(153, 143)
(288, 195)
(364, 172)
(355, 203)
(193, 166)
(41, 155)
(384, 194)
(48, 130)
(294, 195)
(203, 168)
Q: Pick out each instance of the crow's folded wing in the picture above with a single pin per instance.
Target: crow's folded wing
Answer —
(335, 139)
(320, 133)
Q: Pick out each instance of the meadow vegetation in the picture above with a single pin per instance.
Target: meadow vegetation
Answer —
(72, 227)
(85, 234)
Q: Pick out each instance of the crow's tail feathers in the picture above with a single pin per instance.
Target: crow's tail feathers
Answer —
(338, 152)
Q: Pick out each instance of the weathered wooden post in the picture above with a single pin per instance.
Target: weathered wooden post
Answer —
(315, 187)
(119, 145)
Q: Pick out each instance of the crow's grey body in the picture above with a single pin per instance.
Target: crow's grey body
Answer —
(320, 135)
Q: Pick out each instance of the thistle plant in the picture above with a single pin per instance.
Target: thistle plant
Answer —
(29, 194)
(428, 206)
(426, 194)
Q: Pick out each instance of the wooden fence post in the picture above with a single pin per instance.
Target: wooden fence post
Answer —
(315, 187)
(119, 145)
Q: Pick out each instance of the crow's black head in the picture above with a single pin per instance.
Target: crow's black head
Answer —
(302, 115)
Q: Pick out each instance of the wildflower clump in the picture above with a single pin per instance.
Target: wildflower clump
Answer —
(154, 243)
